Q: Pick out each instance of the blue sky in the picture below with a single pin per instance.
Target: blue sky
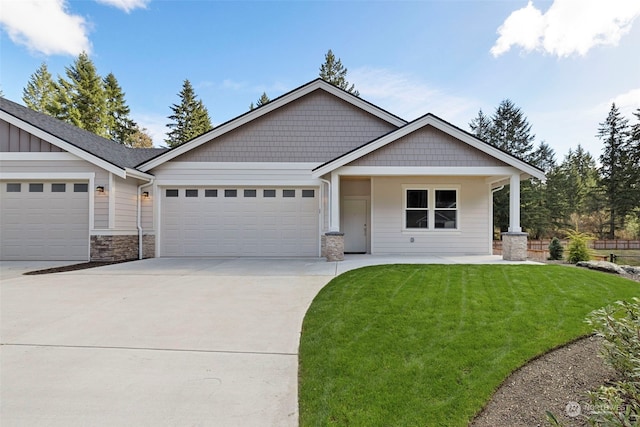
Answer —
(562, 62)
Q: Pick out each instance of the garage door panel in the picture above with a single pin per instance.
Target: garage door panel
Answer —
(43, 225)
(239, 226)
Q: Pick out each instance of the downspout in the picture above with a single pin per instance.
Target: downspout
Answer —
(495, 190)
(328, 199)
(139, 219)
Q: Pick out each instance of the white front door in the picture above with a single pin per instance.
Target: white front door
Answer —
(354, 225)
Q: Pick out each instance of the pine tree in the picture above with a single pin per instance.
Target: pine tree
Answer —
(120, 127)
(189, 119)
(332, 71)
(615, 155)
(511, 132)
(481, 126)
(87, 96)
(40, 92)
(63, 107)
(544, 157)
(264, 99)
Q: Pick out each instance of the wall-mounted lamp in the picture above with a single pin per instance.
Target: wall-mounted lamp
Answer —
(100, 189)
(145, 194)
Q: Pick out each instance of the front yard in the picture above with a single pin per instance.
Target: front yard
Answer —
(427, 345)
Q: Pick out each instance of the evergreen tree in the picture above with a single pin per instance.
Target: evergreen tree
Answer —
(120, 127)
(189, 119)
(87, 96)
(511, 132)
(63, 107)
(264, 99)
(40, 92)
(481, 126)
(332, 71)
(544, 157)
(614, 174)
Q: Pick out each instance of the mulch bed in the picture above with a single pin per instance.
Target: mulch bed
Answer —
(75, 267)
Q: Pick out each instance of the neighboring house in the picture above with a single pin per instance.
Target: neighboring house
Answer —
(314, 172)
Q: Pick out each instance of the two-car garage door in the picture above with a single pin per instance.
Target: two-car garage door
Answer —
(239, 221)
(44, 221)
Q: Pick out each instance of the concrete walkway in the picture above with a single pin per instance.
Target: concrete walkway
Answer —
(207, 342)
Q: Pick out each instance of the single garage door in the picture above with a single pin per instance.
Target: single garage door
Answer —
(42, 221)
(238, 221)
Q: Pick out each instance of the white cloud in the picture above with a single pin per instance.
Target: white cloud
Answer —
(409, 97)
(627, 102)
(126, 5)
(45, 26)
(569, 26)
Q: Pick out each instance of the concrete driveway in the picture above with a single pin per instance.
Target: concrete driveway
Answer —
(184, 342)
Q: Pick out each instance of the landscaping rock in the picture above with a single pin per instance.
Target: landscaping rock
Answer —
(605, 266)
(635, 271)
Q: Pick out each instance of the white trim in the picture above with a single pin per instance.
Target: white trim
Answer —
(335, 202)
(62, 144)
(431, 207)
(38, 156)
(267, 108)
(514, 204)
(47, 176)
(170, 166)
(121, 232)
(425, 171)
(112, 201)
(138, 175)
(238, 183)
(441, 125)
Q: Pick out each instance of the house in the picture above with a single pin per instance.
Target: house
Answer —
(315, 172)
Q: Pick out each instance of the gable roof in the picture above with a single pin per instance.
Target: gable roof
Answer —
(446, 127)
(95, 149)
(272, 105)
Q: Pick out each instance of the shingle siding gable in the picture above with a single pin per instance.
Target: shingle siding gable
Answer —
(315, 128)
(427, 147)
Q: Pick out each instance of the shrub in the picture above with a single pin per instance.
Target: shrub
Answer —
(578, 248)
(555, 249)
(618, 404)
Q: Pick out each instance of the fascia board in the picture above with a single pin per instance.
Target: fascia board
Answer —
(265, 109)
(52, 139)
(138, 175)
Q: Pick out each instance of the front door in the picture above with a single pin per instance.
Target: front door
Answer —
(354, 225)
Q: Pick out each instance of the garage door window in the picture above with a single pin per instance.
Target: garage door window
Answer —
(14, 187)
(58, 188)
(269, 193)
(171, 193)
(288, 193)
(36, 188)
(210, 193)
(308, 193)
(250, 193)
(80, 188)
(191, 193)
(230, 193)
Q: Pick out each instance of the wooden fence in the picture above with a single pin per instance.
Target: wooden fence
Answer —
(543, 245)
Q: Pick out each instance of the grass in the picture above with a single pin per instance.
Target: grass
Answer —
(427, 345)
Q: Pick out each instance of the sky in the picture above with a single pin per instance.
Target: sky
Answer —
(562, 62)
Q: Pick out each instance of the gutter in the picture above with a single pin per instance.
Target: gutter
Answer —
(139, 218)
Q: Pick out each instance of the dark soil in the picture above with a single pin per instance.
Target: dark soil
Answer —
(75, 267)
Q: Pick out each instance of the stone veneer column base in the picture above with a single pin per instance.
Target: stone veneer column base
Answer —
(333, 246)
(120, 248)
(514, 246)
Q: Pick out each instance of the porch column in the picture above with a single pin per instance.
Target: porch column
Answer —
(514, 242)
(333, 241)
(334, 221)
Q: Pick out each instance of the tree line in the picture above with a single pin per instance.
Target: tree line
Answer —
(579, 194)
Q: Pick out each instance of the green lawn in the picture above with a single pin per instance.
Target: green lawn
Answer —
(427, 345)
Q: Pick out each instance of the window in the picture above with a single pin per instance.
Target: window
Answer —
(14, 187)
(191, 193)
(58, 188)
(36, 188)
(171, 193)
(80, 188)
(230, 193)
(288, 193)
(446, 209)
(269, 193)
(308, 193)
(431, 208)
(210, 193)
(250, 193)
(417, 208)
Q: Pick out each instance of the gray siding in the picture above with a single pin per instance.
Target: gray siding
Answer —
(126, 204)
(388, 236)
(427, 147)
(14, 139)
(101, 206)
(315, 128)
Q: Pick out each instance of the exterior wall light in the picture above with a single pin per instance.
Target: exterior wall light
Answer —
(100, 189)
(145, 194)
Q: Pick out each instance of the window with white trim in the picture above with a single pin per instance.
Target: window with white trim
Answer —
(430, 208)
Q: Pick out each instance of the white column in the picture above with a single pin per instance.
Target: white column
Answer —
(514, 204)
(335, 202)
